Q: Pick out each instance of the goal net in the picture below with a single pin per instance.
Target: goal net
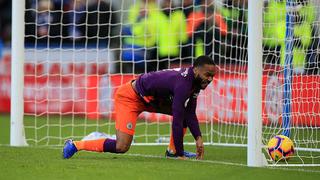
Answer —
(78, 52)
(291, 88)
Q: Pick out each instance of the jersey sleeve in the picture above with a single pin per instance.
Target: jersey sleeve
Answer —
(191, 118)
(178, 112)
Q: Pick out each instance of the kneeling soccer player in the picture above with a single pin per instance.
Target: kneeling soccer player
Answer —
(173, 92)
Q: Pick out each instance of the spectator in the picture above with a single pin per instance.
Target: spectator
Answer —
(5, 23)
(188, 7)
(235, 14)
(43, 25)
(304, 35)
(74, 24)
(172, 34)
(5, 20)
(87, 23)
(189, 11)
(206, 27)
(100, 22)
(313, 55)
(139, 37)
(274, 31)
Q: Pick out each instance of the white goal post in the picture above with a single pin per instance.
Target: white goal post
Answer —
(254, 149)
(17, 136)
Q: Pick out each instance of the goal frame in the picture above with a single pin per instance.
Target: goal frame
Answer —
(17, 136)
(255, 156)
(254, 147)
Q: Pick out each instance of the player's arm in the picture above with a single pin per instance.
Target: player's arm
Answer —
(191, 118)
(178, 113)
(193, 124)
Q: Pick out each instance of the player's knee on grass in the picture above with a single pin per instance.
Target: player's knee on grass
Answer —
(123, 142)
(122, 147)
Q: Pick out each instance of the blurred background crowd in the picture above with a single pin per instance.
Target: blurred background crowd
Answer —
(156, 34)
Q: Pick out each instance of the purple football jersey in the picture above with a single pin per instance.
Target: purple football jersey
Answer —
(177, 86)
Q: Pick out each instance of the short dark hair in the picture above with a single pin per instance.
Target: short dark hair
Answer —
(202, 60)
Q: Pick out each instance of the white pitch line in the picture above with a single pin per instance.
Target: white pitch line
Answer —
(293, 169)
(194, 160)
(214, 162)
(223, 163)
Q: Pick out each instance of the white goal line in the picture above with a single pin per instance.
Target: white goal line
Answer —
(281, 167)
(221, 144)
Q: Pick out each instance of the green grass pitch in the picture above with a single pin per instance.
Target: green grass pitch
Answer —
(141, 162)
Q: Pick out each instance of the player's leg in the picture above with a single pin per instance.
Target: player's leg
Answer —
(125, 125)
(119, 145)
(127, 108)
(171, 146)
(124, 141)
(166, 108)
(98, 145)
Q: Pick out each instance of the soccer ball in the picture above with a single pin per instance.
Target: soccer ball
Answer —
(280, 147)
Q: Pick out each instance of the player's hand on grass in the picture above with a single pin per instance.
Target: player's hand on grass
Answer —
(200, 148)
